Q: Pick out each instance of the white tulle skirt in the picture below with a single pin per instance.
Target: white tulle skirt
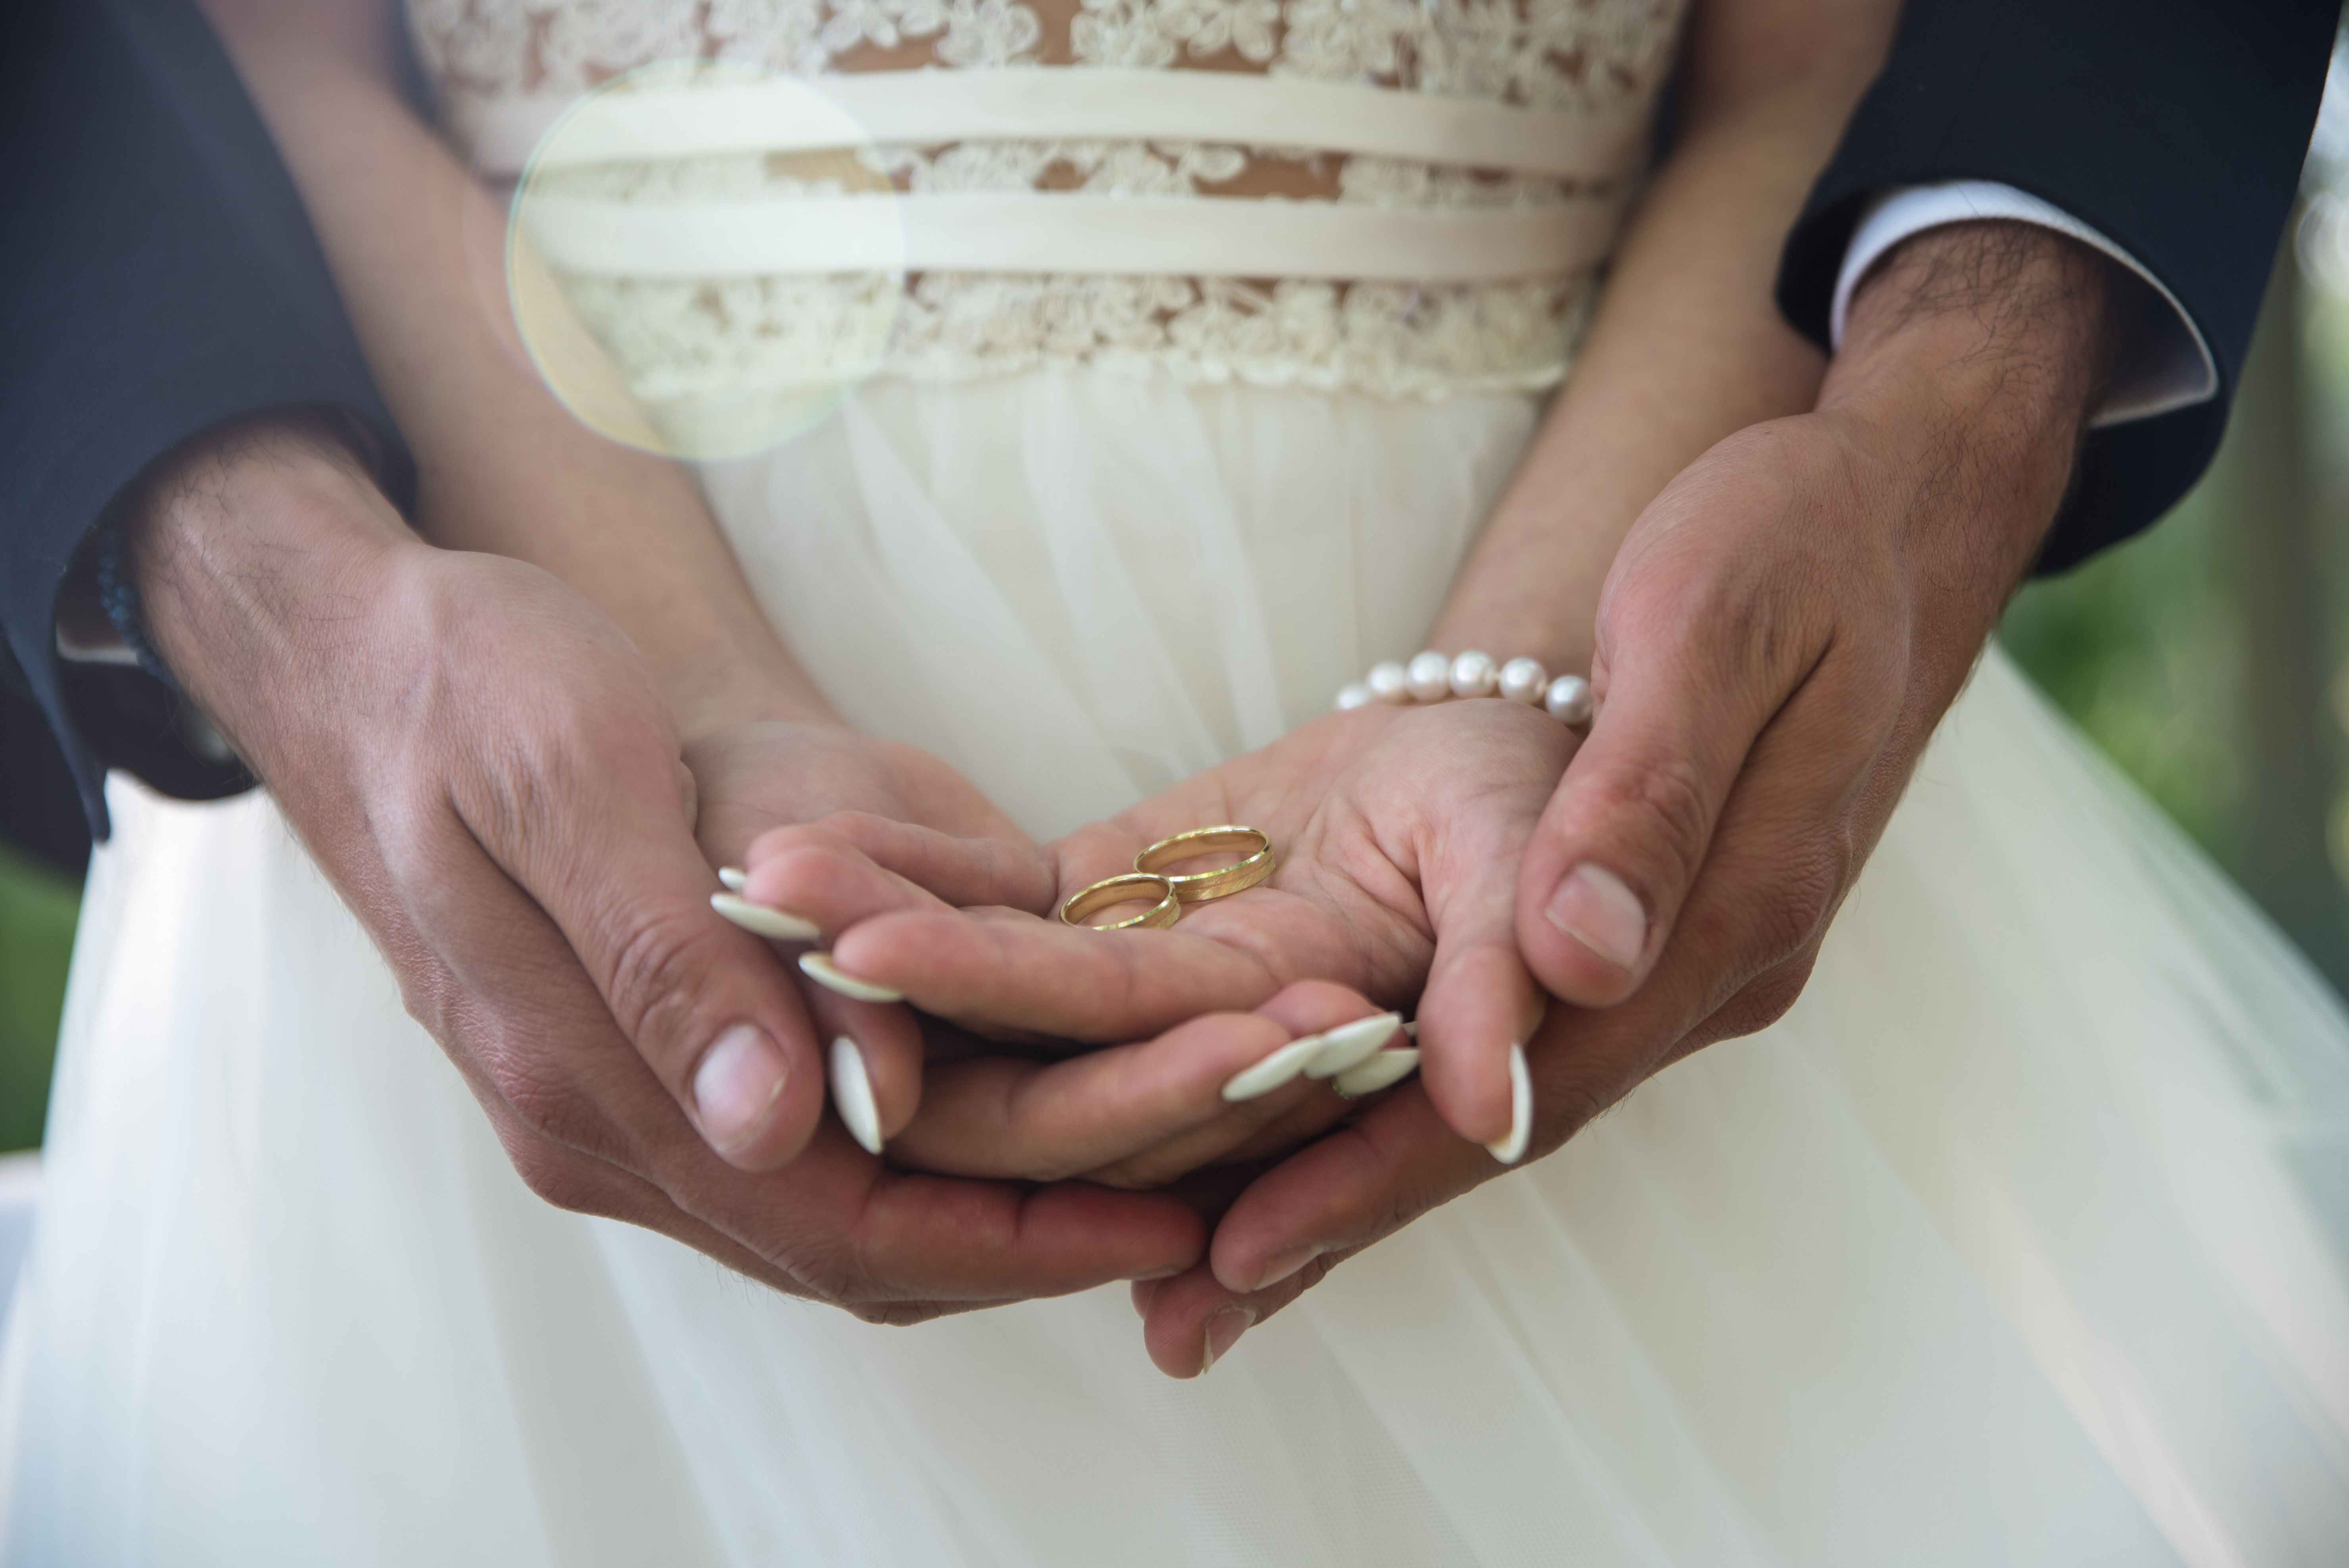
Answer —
(2017, 1241)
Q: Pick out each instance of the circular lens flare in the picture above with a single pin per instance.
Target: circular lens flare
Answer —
(704, 258)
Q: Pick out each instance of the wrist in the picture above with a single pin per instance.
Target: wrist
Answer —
(1974, 356)
(239, 543)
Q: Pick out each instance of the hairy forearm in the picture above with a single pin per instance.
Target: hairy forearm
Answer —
(504, 468)
(255, 548)
(1972, 360)
(1687, 345)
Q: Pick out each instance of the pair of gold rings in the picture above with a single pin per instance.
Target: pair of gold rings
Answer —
(1149, 882)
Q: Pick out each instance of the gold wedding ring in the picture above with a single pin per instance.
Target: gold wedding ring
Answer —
(1131, 887)
(1225, 880)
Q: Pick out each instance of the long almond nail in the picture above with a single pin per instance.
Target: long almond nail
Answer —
(735, 877)
(819, 968)
(1224, 1331)
(765, 922)
(1382, 1070)
(735, 1086)
(1510, 1148)
(852, 1095)
(1595, 907)
(1350, 1044)
(1272, 1072)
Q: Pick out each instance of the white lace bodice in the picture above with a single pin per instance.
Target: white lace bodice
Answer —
(1331, 327)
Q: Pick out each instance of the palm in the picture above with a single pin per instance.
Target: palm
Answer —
(1399, 833)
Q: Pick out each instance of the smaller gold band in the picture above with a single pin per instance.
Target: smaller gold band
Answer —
(1221, 883)
(1131, 887)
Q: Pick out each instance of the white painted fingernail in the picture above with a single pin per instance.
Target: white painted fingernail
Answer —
(735, 1086)
(1224, 1331)
(1511, 1148)
(1273, 1071)
(852, 1095)
(1382, 1069)
(1411, 1028)
(735, 877)
(1349, 1045)
(765, 922)
(819, 968)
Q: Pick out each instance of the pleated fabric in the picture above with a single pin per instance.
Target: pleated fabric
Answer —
(2019, 1241)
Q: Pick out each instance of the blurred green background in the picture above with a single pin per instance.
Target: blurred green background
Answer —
(2210, 657)
(37, 923)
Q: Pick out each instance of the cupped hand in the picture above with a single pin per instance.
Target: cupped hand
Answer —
(1397, 830)
(1779, 636)
(487, 770)
(1135, 1115)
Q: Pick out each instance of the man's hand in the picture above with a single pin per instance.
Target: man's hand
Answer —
(1780, 634)
(1786, 626)
(487, 770)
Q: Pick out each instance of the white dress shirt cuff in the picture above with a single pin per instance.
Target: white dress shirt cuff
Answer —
(2166, 367)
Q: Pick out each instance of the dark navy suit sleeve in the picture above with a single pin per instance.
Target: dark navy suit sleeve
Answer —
(158, 276)
(2175, 128)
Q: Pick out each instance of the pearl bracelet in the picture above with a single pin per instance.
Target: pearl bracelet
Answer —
(1432, 677)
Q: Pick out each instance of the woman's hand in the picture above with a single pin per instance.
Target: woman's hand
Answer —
(1398, 831)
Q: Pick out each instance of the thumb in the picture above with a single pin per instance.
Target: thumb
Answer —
(609, 853)
(1628, 829)
(1480, 1003)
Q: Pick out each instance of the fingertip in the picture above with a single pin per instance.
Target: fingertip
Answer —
(742, 1101)
(1476, 1008)
(1584, 940)
(852, 1095)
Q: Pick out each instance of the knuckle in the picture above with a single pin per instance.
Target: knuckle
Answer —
(1769, 998)
(552, 1112)
(559, 1177)
(1808, 887)
(651, 981)
(1669, 816)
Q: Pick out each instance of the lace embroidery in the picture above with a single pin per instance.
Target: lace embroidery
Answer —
(684, 340)
(1550, 53)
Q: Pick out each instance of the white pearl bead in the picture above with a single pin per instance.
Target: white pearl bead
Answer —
(1524, 680)
(1473, 674)
(1354, 695)
(1429, 676)
(1569, 700)
(1388, 682)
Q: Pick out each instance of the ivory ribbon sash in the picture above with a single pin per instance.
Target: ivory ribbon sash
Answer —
(1024, 231)
(662, 118)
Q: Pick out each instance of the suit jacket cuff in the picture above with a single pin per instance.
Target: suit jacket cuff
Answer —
(2166, 367)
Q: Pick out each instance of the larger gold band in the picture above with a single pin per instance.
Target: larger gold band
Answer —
(1131, 887)
(1221, 883)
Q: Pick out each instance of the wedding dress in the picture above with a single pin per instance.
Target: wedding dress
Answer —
(2017, 1240)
